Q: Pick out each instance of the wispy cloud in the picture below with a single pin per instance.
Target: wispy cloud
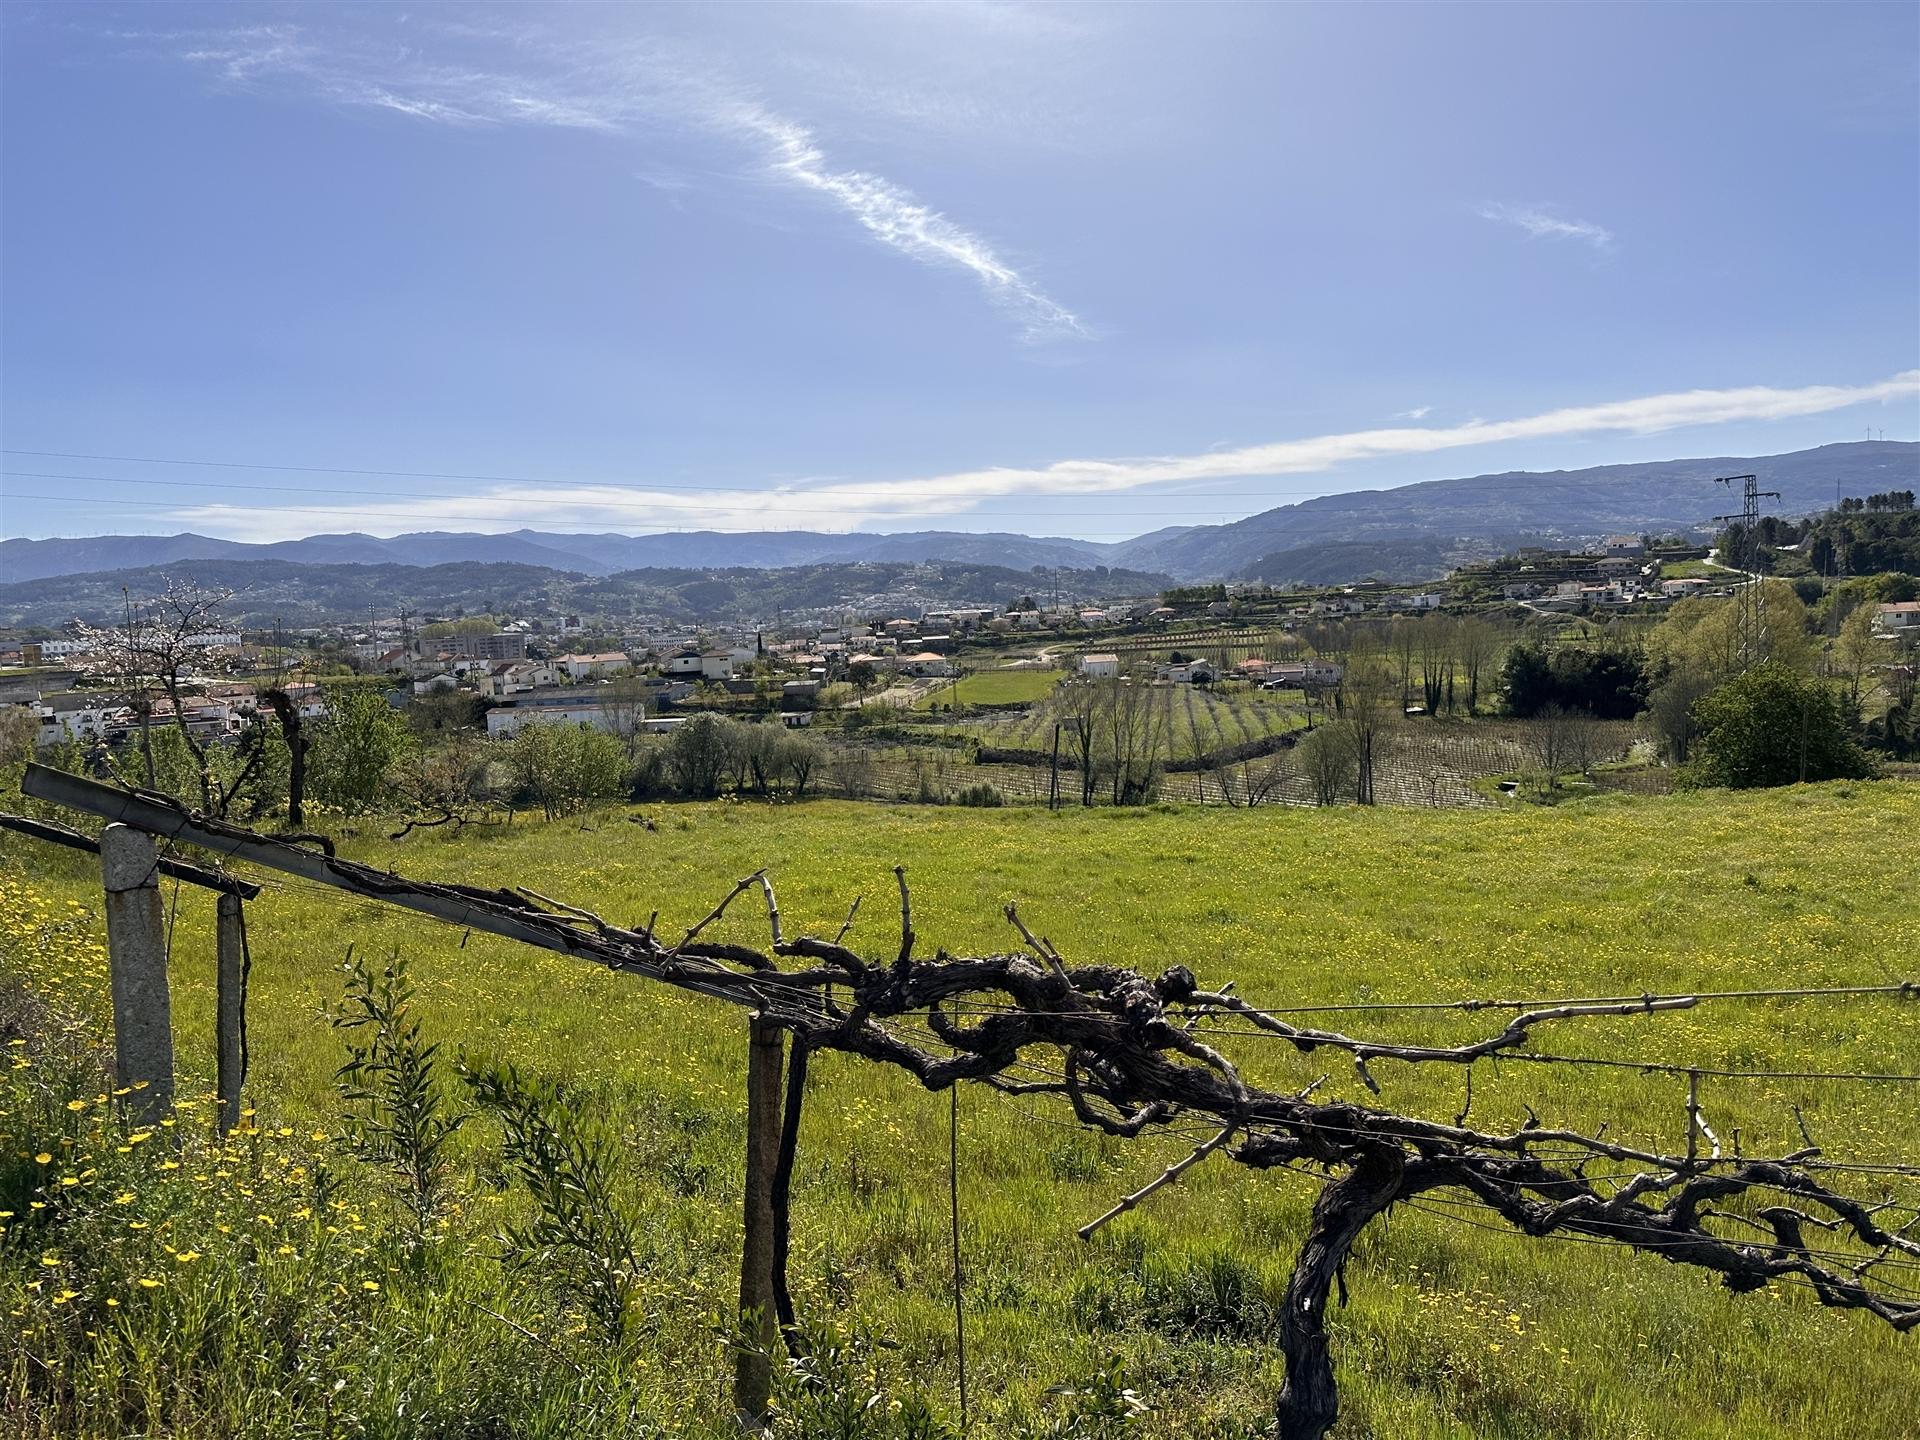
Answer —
(895, 218)
(621, 91)
(1419, 412)
(851, 505)
(1541, 222)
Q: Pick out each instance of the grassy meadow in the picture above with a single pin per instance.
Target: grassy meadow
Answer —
(993, 687)
(297, 1314)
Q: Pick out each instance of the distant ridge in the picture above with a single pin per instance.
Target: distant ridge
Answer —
(580, 554)
(1457, 516)
(268, 592)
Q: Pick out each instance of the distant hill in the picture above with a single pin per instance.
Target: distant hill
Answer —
(1465, 515)
(299, 594)
(1559, 505)
(1341, 562)
(602, 554)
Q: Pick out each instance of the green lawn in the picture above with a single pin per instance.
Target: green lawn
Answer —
(994, 687)
(1694, 570)
(1454, 1330)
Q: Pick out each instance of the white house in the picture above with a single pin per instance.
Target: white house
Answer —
(517, 678)
(1302, 674)
(1618, 546)
(435, 682)
(558, 708)
(1899, 617)
(716, 665)
(1194, 672)
(1099, 667)
(595, 667)
(687, 662)
(80, 716)
(924, 663)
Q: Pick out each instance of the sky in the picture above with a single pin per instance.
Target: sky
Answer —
(268, 270)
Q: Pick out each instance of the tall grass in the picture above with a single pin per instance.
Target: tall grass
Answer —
(286, 1299)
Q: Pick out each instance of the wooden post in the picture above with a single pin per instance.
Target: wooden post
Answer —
(230, 1024)
(753, 1355)
(137, 963)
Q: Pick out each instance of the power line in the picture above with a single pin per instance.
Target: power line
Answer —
(1378, 1050)
(1903, 988)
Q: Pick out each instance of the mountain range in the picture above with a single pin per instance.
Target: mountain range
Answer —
(296, 593)
(1410, 532)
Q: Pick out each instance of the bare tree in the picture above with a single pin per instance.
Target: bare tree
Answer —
(1078, 704)
(1555, 731)
(167, 642)
(800, 755)
(1133, 723)
(1402, 644)
(852, 771)
(1586, 740)
(1369, 706)
(623, 702)
(1435, 640)
(1477, 643)
(1330, 759)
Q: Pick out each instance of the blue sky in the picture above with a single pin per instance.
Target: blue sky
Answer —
(1079, 270)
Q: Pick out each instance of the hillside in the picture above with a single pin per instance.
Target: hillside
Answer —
(598, 554)
(1467, 515)
(1340, 561)
(303, 594)
(1457, 1325)
(1553, 506)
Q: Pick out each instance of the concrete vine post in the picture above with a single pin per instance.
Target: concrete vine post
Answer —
(137, 963)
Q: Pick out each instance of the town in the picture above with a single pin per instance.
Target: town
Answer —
(862, 668)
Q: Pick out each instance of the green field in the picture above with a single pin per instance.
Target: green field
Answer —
(1456, 1326)
(993, 687)
(1696, 570)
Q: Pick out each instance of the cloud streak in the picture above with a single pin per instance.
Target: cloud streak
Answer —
(624, 92)
(1541, 223)
(852, 505)
(896, 219)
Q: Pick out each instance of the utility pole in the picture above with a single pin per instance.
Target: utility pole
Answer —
(1750, 597)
